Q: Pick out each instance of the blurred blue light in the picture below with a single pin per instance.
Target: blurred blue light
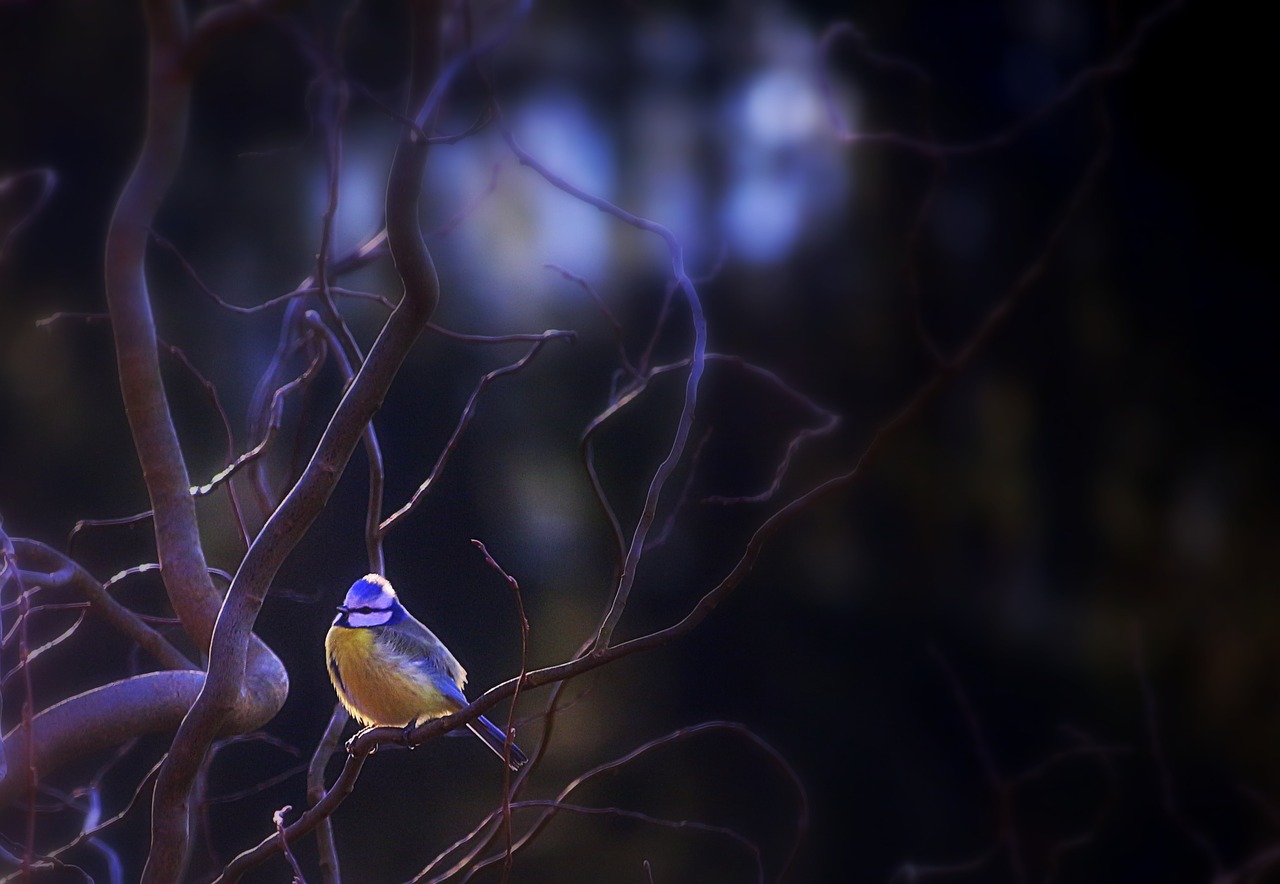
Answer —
(762, 218)
(781, 107)
(788, 178)
(526, 222)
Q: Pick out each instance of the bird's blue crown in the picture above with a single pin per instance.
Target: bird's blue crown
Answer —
(370, 591)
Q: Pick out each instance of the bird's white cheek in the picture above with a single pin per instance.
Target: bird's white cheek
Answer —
(362, 621)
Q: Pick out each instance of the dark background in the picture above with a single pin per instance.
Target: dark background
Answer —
(1057, 585)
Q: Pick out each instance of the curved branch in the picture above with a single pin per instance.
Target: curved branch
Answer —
(697, 364)
(184, 569)
(285, 527)
(258, 696)
(100, 719)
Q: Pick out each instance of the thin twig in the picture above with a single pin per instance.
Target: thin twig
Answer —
(508, 731)
(1117, 63)
(553, 806)
(467, 210)
(468, 412)
(1155, 744)
(518, 337)
(46, 180)
(87, 833)
(211, 392)
(556, 806)
(278, 819)
(1002, 792)
(222, 302)
(28, 657)
(675, 251)
(275, 418)
(610, 317)
(373, 532)
(61, 571)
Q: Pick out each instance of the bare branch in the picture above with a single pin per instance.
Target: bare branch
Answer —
(466, 211)
(184, 569)
(1194, 835)
(211, 392)
(329, 743)
(63, 572)
(1001, 789)
(519, 337)
(1117, 64)
(609, 315)
(163, 464)
(278, 819)
(102, 718)
(295, 514)
(23, 195)
(468, 412)
(274, 418)
(309, 820)
(27, 654)
(509, 730)
(553, 806)
(8, 575)
(695, 461)
(675, 251)
(93, 827)
(31, 779)
(366, 741)
(214, 296)
(372, 449)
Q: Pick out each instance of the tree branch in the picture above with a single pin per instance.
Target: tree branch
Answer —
(299, 509)
(100, 719)
(697, 363)
(184, 569)
(63, 572)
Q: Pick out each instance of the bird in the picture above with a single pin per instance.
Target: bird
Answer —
(389, 669)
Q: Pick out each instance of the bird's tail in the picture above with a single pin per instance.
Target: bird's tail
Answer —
(496, 740)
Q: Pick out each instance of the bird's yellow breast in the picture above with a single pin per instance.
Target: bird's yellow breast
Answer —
(378, 685)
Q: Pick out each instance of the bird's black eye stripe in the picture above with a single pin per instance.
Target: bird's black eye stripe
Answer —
(365, 609)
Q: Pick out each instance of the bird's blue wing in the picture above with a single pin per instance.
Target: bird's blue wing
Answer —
(421, 649)
(441, 678)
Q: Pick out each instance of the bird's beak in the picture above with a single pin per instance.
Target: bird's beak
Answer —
(344, 609)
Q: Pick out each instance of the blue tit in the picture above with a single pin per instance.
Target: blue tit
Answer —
(389, 669)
